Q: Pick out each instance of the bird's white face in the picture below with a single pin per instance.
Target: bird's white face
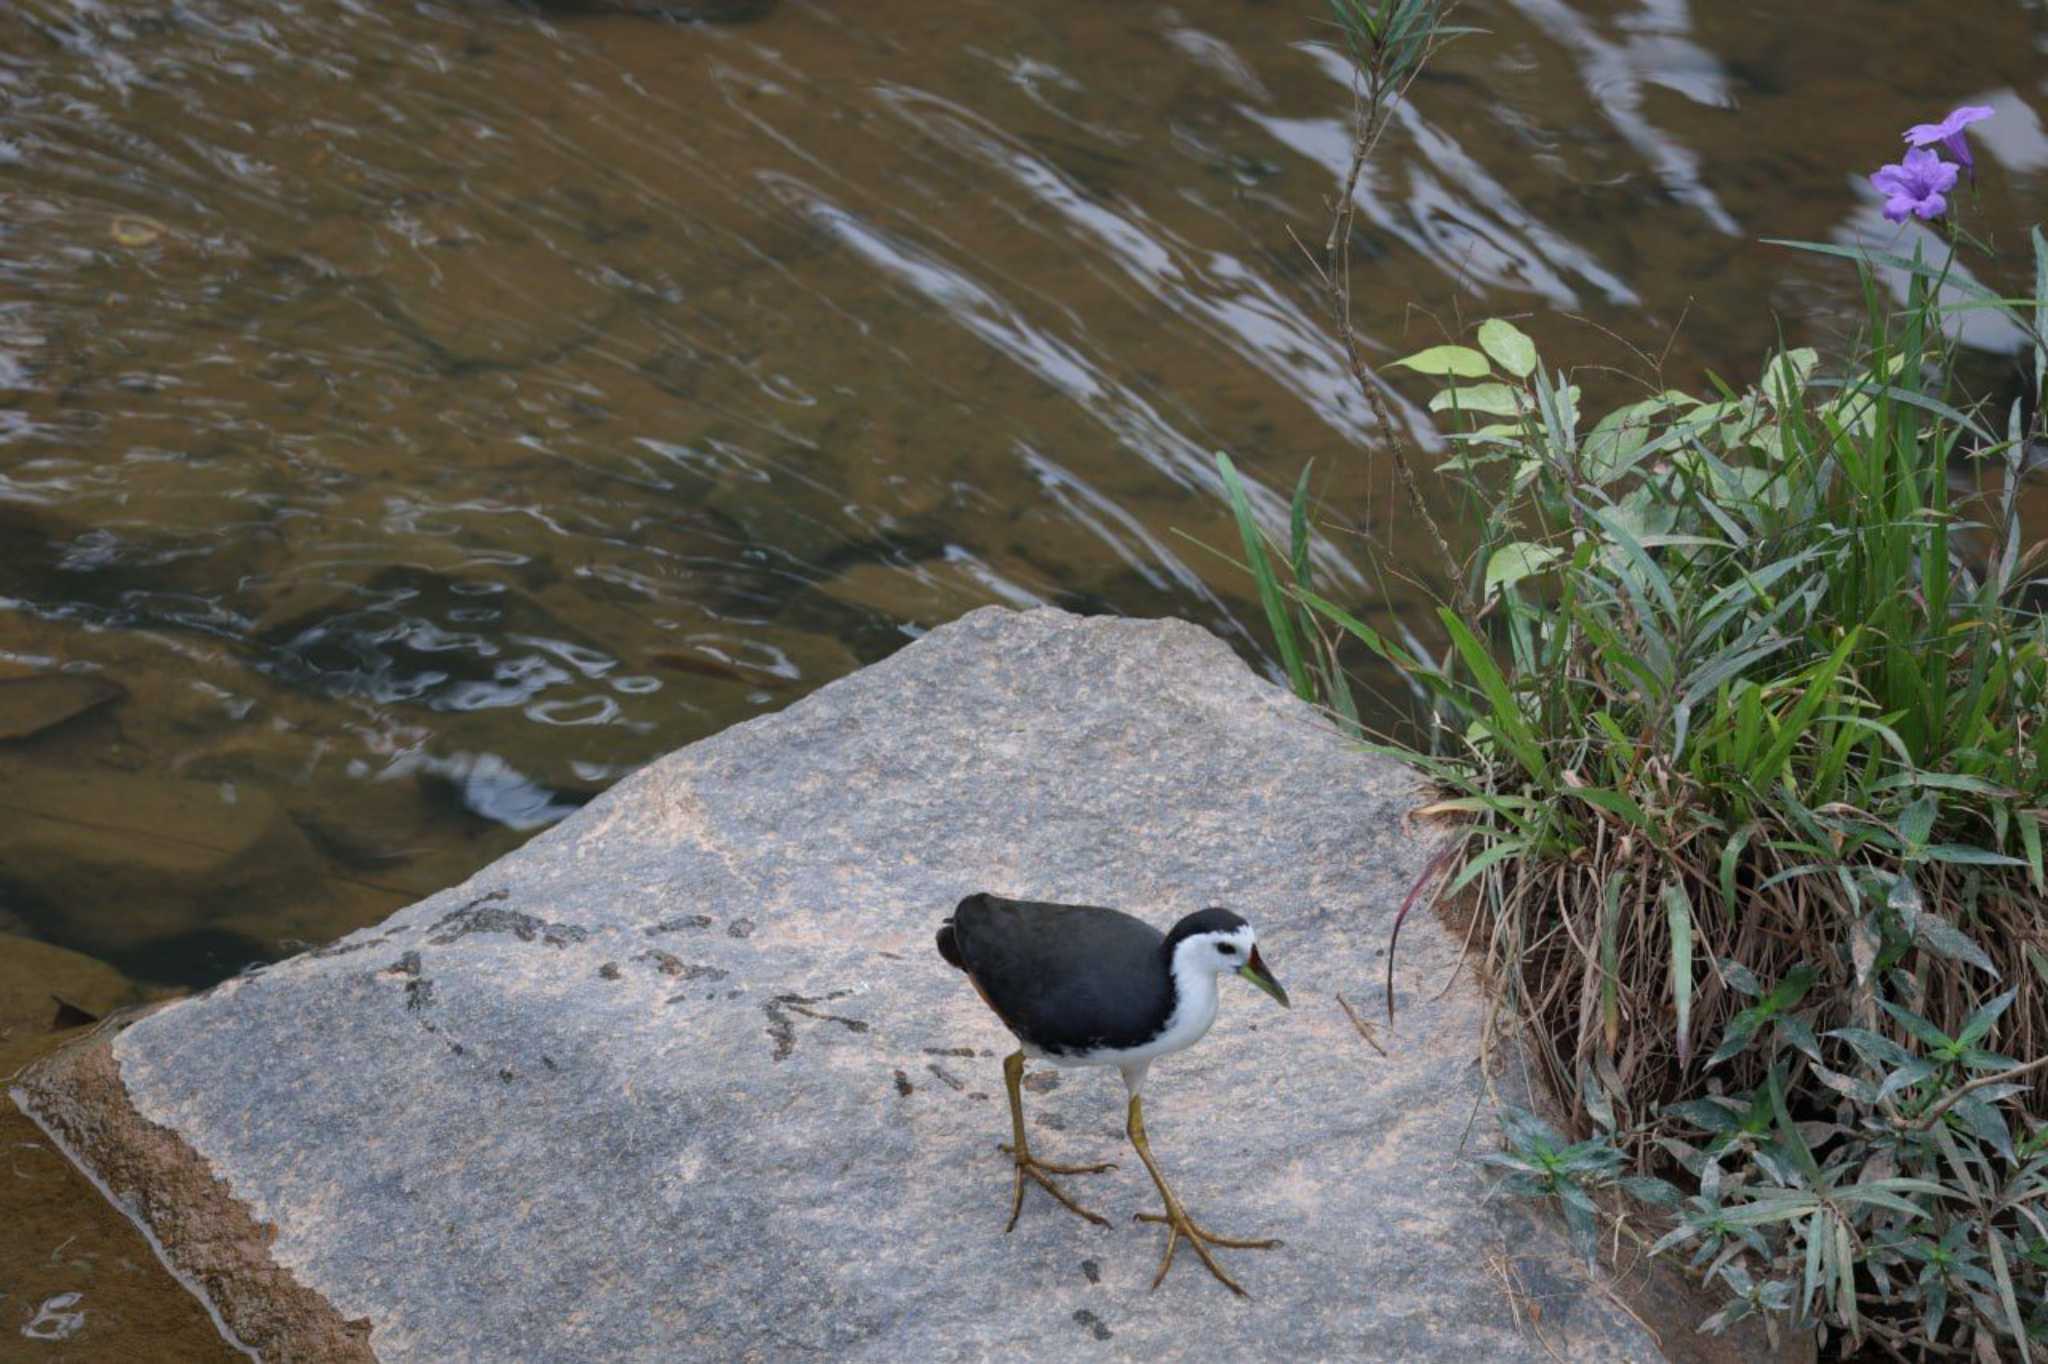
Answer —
(1219, 952)
(1236, 951)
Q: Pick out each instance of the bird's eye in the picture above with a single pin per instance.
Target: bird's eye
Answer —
(1227, 949)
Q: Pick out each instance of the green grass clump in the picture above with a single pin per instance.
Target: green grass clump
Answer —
(1743, 707)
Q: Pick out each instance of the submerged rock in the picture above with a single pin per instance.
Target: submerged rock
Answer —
(46, 989)
(684, 1078)
(31, 705)
(134, 859)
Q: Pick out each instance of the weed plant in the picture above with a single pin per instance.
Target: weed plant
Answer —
(1741, 713)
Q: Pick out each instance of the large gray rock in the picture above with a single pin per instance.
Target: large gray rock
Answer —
(684, 1077)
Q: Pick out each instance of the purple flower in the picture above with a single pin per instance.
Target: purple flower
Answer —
(1949, 133)
(1916, 185)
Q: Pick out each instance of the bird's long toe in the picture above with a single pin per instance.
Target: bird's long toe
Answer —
(1196, 1231)
(1051, 1168)
(1178, 1225)
(1040, 1172)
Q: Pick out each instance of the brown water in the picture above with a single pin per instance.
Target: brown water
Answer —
(413, 416)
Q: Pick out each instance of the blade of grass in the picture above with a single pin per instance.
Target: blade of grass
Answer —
(1270, 595)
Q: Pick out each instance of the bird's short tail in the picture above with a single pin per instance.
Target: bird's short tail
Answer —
(949, 946)
(949, 939)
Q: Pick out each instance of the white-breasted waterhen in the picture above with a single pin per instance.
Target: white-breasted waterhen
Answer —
(1080, 985)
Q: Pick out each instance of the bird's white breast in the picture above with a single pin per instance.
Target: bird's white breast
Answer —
(1194, 1011)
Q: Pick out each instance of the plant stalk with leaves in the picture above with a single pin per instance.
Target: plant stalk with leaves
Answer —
(1741, 706)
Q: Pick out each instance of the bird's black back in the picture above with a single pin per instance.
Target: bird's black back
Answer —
(1064, 978)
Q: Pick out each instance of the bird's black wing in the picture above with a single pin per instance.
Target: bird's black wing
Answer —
(1065, 978)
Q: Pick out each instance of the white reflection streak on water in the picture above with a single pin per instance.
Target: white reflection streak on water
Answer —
(979, 571)
(1520, 253)
(1239, 306)
(2013, 132)
(1031, 76)
(1129, 417)
(1096, 512)
(1614, 74)
(1986, 329)
(1482, 257)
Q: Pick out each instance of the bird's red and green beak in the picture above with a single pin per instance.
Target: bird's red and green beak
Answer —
(1254, 970)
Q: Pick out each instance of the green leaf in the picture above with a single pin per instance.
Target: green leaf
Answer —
(1619, 441)
(1521, 559)
(1650, 1189)
(1298, 527)
(1917, 822)
(2007, 1298)
(1985, 1123)
(1943, 938)
(1615, 803)
(1479, 864)
(1528, 1133)
(1625, 536)
(1788, 991)
(1505, 342)
(1457, 362)
(1509, 725)
(1817, 690)
(1678, 912)
(1788, 1131)
(1924, 1032)
(1967, 856)
(1979, 1025)
(1497, 400)
(1270, 595)
(1741, 1031)
(1731, 854)
(1785, 376)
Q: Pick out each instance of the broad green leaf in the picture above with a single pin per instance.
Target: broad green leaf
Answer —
(1788, 991)
(1979, 1025)
(1938, 935)
(1650, 1189)
(1917, 821)
(1505, 342)
(1456, 362)
(1619, 441)
(1513, 562)
(1496, 400)
(1785, 376)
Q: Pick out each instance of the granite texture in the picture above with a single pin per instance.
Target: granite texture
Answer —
(684, 1077)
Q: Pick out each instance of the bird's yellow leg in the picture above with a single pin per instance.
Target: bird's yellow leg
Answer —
(1176, 1219)
(1028, 1165)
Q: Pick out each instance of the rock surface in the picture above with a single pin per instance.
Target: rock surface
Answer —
(684, 1078)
